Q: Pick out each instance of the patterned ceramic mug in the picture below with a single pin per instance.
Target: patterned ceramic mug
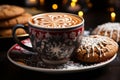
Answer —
(54, 36)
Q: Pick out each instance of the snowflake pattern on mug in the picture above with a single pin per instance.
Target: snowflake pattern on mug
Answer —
(55, 45)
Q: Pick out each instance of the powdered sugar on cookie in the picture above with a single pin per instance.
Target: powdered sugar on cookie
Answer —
(109, 29)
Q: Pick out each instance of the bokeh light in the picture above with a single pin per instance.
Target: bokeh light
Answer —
(54, 6)
(80, 13)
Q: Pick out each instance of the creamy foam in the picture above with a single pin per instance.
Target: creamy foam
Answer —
(56, 20)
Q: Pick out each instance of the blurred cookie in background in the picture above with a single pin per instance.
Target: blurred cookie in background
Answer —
(8, 32)
(109, 29)
(9, 11)
(11, 15)
(21, 19)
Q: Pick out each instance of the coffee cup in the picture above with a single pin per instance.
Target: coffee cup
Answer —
(54, 36)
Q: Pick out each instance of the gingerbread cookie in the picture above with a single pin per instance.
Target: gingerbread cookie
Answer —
(8, 32)
(96, 48)
(22, 19)
(109, 29)
(9, 11)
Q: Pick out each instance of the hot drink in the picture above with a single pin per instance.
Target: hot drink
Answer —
(56, 20)
(54, 36)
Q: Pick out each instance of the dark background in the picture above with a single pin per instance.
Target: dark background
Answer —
(97, 14)
(96, 4)
(94, 15)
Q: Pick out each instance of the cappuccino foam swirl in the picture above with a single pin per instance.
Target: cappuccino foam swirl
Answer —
(56, 20)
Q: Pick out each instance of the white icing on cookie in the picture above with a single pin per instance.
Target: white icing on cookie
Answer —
(109, 27)
(92, 42)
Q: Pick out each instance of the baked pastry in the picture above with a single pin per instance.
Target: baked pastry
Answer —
(8, 32)
(9, 11)
(96, 48)
(22, 19)
(109, 29)
(10, 15)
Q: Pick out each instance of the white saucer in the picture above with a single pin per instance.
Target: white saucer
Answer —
(26, 59)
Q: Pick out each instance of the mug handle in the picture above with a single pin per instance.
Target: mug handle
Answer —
(16, 38)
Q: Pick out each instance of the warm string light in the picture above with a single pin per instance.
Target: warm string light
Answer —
(113, 16)
(73, 4)
(54, 6)
(42, 2)
(112, 13)
(74, 1)
(80, 13)
(31, 2)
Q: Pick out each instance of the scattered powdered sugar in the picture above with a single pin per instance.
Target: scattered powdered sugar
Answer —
(69, 65)
(89, 41)
(72, 65)
(86, 33)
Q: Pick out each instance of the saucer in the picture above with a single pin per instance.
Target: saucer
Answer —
(29, 60)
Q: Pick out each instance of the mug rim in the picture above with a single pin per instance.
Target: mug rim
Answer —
(39, 27)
